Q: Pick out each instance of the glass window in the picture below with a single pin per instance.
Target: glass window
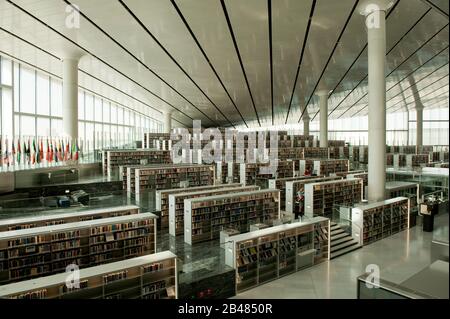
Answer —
(56, 97)
(16, 87)
(113, 114)
(106, 135)
(81, 101)
(7, 112)
(126, 117)
(89, 109)
(27, 90)
(81, 133)
(98, 111)
(43, 95)
(119, 115)
(43, 127)
(27, 125)
(132, 115)
(89, 132)
(6, 75)
(106, 112)
(56, 128)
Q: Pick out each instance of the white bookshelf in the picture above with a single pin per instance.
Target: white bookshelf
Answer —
(136, 278)
(267, 254)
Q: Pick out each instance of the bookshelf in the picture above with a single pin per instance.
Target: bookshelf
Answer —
(224, 172)
(160, 141)
(404, 149)
(302, 140)
(417, 160)
(377, 220)
(250, 173)
(389, 159)
(320, 197)
(206, 217)
(345, 174)
(336, 143)
(290, 153)
(365, 178)
(405, 189)
(316, 152)
(280, 184)
(363, 154)
(146, 277)
(162, 198)
(295, 187)
(270, 253)
(399, 160)
(113, 159)
(176, 204)
(56, 219)
(327, 167)
(173, 177)
(441, 156)
(339, 152)
(40, 251)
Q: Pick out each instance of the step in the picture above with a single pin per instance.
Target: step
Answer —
(335, 227)
(338, 236)
(344, 251)
(337, 231)
(340, 241)
(344, 245)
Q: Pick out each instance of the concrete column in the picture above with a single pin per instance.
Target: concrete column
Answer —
(70, 98)
(375, 12)
(419, 126)
(323, 104)
(306, 125)
(167, 121)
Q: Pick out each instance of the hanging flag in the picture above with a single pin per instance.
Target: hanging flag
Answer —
(19, 151)
(33, 152)
(13, 153)
(41, 151)
(6, 158)
(67, 152)
(75, 150)
(61, 150)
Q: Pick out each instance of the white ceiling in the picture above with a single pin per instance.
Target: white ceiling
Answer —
(233, 62)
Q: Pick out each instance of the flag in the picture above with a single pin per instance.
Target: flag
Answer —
(75, 150)
(19, 151)
(33, 152)
(13, 153)
(67, 152)
(6, 158)
(41, 151)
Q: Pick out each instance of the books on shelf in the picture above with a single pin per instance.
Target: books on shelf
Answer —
(176, 204)
(320, 197)
(377, 220)
(206, 217)
(126, 279)
(251, 174)
(58, 219)
(270, 253)
(33, 252)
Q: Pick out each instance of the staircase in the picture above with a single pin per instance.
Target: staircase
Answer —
(341, 242)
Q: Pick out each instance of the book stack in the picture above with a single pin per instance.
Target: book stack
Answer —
(316, 152)
(146, 277)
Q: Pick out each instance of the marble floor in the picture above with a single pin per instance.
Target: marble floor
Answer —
(398, 258)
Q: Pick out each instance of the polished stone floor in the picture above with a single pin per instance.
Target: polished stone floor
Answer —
(398, 257)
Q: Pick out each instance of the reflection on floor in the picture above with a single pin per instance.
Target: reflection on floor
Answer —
(398, 257)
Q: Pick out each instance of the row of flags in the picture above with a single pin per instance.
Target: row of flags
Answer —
(33, 151)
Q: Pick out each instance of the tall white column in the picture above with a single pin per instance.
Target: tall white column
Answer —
(375, 12)
(323, 104)
(70, 98)
(419, 126)
(167, 121)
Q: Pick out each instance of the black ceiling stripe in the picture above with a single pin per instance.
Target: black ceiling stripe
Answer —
(269, 13)
(437, 96)
(417, 89)
(230, 29)
(436, 7)
(31, 44)
(93, 55)
(403, 89)
(351, 66)
(411, 94)
(329, 58)
(206, 57)
(397, 67)
(136, 59)
(85, 72)
(420, 66)
(305, 39)
(176, 63)
(80, 86)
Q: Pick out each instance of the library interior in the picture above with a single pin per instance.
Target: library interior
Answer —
(224, 149)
